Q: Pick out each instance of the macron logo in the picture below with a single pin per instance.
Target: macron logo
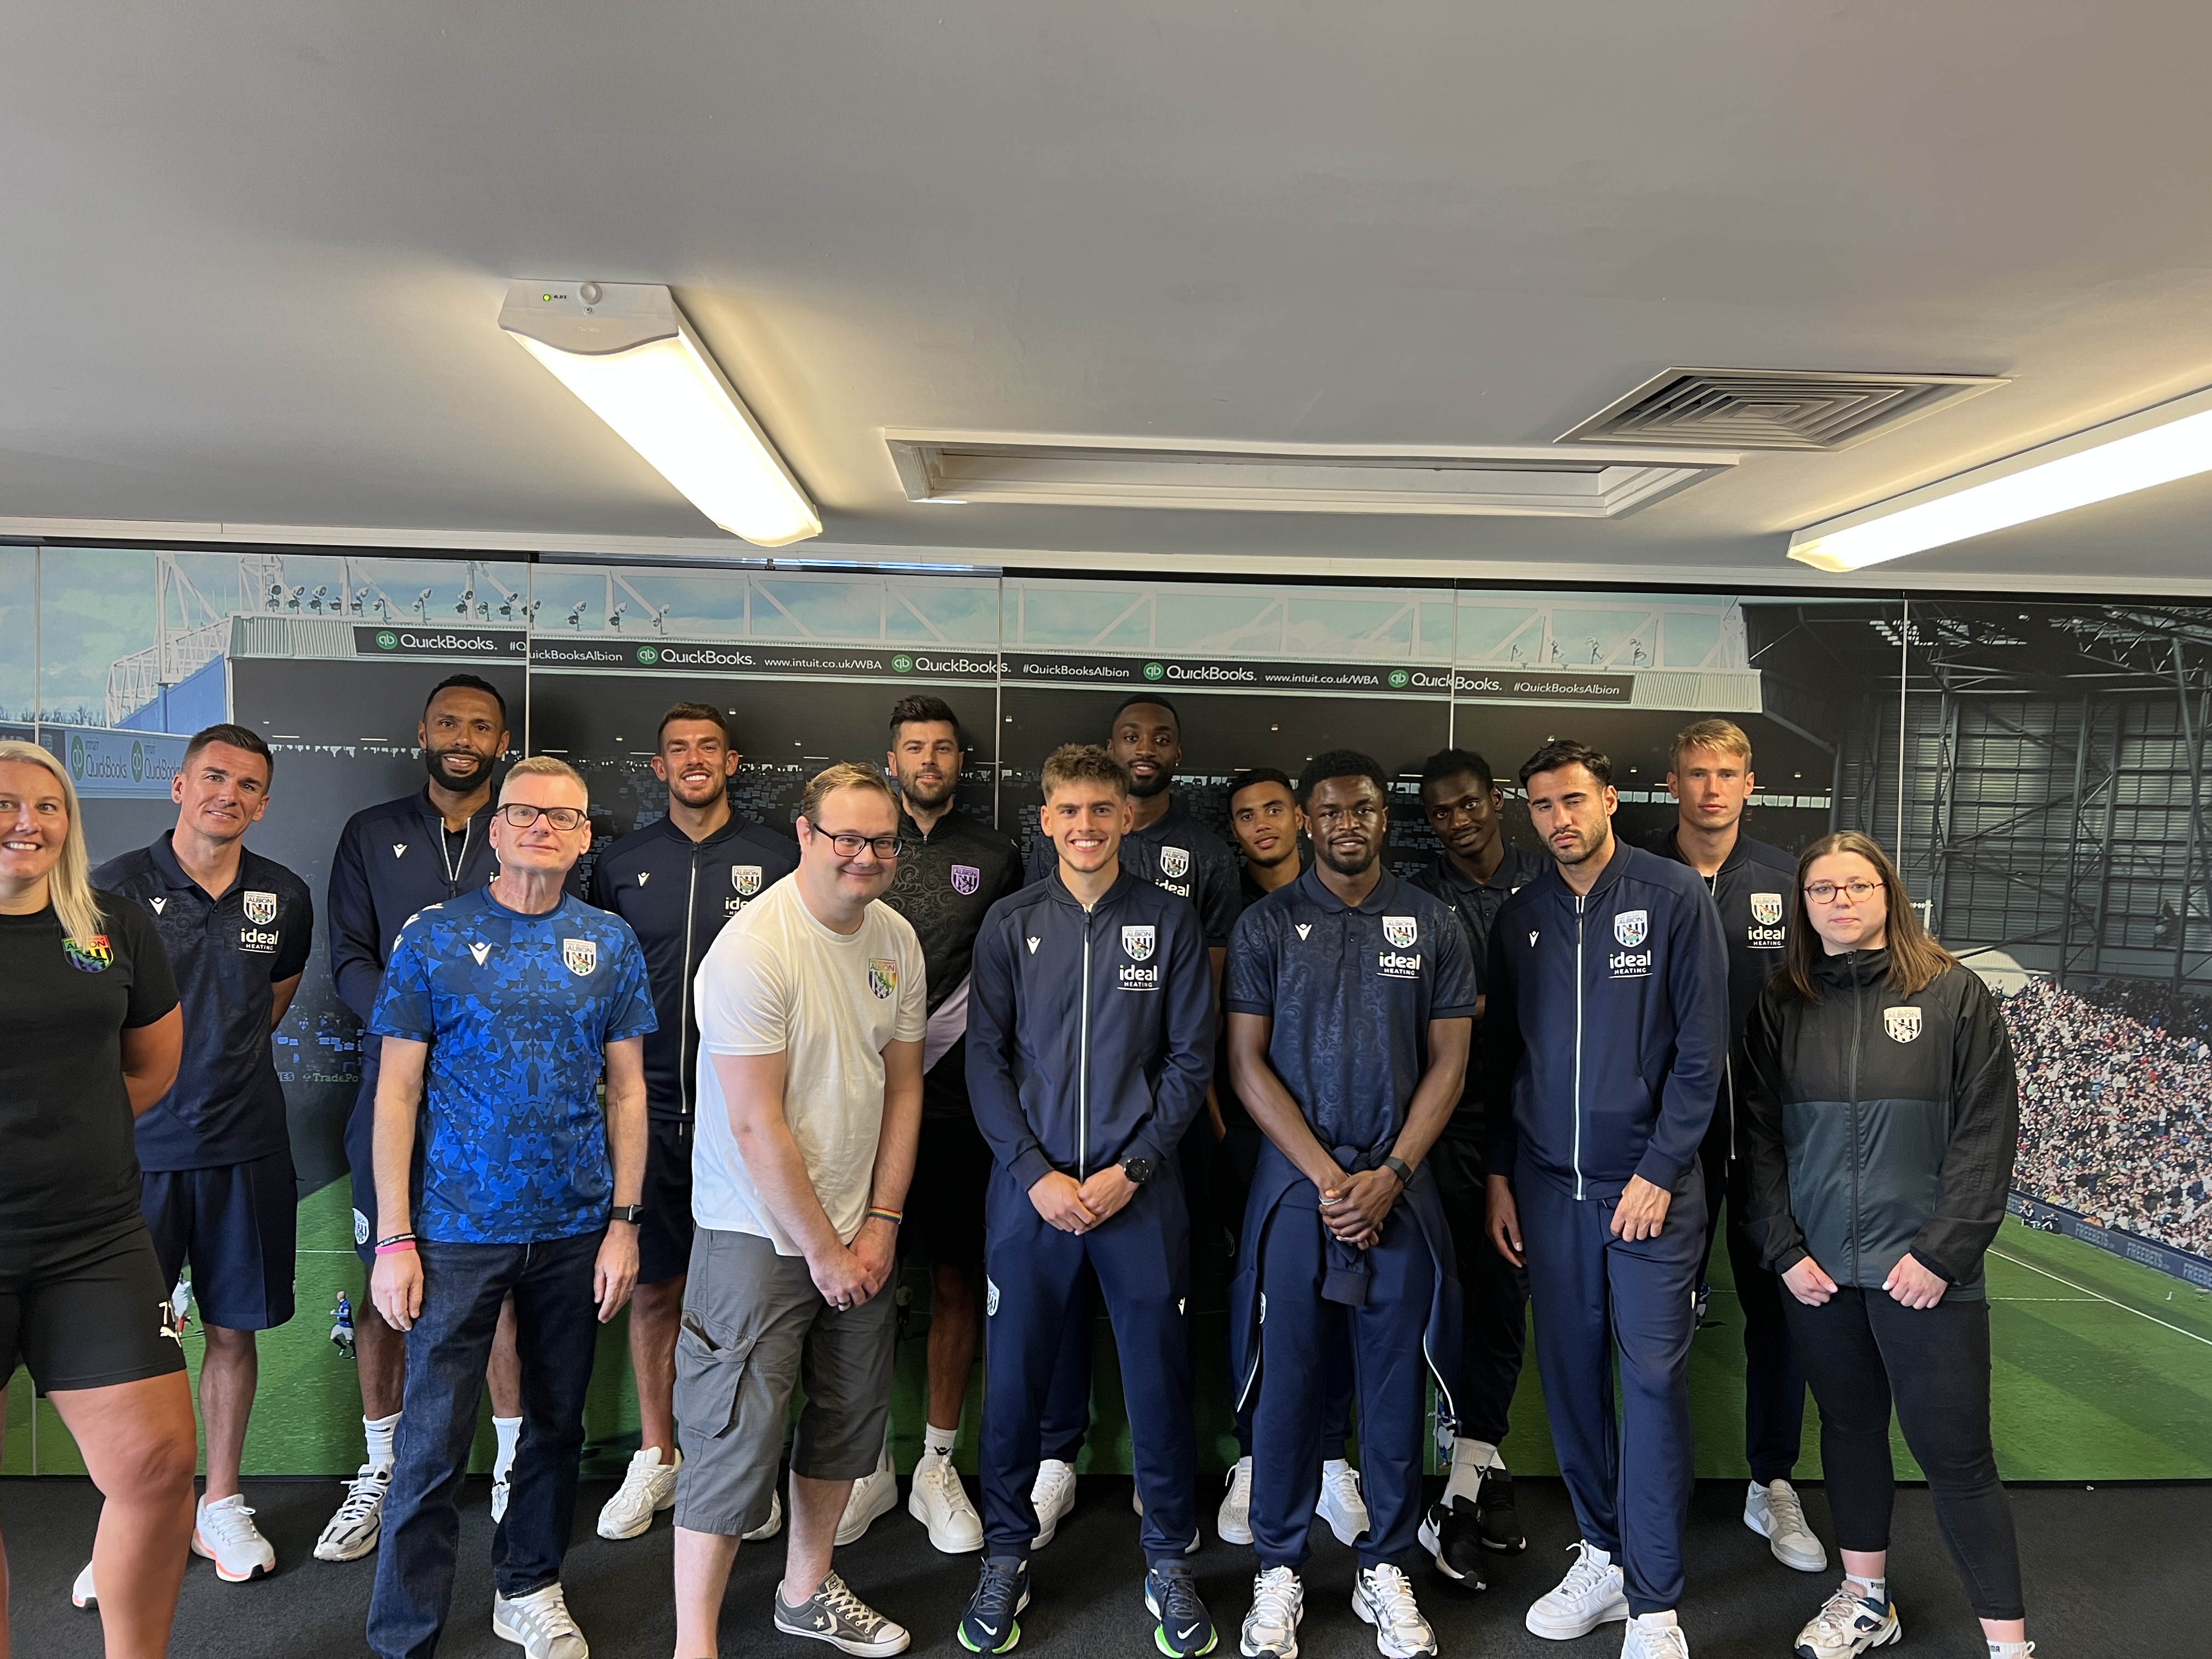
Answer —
(1034, 942)
(479, 951)
(643, 876)
(159, 904)
(1531, 936)
(399, 849)
(1304, 928)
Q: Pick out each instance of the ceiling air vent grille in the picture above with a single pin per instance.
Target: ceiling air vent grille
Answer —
(1771, 407)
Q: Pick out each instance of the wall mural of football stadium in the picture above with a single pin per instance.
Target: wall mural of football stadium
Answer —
(2038, 767)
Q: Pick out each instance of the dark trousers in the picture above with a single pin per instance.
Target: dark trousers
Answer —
(1863, 1349)
(557, 1326)
(1141, 1262)
(1773, 1381)
(1629, 1469)
(1297, 1331)
(1494, 1328)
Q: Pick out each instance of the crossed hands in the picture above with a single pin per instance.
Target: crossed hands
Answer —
(1076, 1206)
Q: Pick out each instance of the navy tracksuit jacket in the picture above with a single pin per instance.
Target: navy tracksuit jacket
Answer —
(1089, 1040)
(1604, 1036)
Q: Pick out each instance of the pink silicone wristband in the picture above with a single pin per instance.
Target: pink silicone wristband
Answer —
(394, 1249)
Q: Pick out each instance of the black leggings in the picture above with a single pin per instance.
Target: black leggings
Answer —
(1860, 1349)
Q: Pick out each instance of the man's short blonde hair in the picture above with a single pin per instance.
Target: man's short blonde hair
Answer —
(1723, 736)
(846, 774)
(544, 766)
(1086, 762)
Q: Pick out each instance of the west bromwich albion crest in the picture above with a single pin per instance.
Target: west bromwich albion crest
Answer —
(580, 955)
(1766, 908)
(261, 909)
(883, 975)
(1174, 863)
(1903, 1025)
(1400, 932)
(746, 878)
(966, 878)
(1137, 943)
(1631, 927)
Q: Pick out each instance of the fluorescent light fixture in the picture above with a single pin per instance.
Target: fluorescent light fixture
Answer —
(629, 354)
(2153, 447)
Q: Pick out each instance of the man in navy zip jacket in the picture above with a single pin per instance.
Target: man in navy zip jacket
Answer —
(1090, 1044)
(392, 861)
(676, 882)
(1605, 1034)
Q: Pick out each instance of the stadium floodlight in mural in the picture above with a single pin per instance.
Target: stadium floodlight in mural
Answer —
(2136, 451)
(628, 352)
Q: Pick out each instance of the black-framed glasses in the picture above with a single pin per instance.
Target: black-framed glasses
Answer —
(522, 815)
(1825, 892)
(848, 844)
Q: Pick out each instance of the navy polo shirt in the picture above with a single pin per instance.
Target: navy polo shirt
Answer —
(1179, 855)
(228, 954)
(1351, 990)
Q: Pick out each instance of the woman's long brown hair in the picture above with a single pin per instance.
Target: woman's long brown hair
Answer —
(1915, 958)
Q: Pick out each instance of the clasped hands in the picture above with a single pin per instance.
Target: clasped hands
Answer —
(1076, 1206)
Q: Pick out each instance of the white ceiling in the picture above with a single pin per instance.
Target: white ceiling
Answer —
(253, 253)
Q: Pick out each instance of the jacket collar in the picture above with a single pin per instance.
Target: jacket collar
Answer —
(1852, 967)
(738, 822)
(1168, 820)
(432, 816)
(1663, 843)
(1124, 884)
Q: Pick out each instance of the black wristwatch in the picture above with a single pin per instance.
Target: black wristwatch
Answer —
(1139, 1170)
(633, 1213)
(1400, 1168)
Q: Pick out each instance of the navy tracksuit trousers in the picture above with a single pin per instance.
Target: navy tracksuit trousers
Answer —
(1298, 1330)
(1630, 1478)
(1773, 1380)
(1141, 1259)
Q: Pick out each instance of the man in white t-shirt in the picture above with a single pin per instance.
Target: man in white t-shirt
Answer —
(812, 1009)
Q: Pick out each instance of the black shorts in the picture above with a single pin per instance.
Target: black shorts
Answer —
(361, 1165)
(239, 1227)
(88, 1313)
(663, 1241)
(944, 1200)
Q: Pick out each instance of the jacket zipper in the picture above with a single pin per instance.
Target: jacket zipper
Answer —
(1082, 1065)
(684, 995)
(1859, 1031)
(1578, 1158)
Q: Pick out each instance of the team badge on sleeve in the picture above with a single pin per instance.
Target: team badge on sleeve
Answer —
(746, 878)
(1175, 862)
(883, 975)
(1402, 931)
(966, 879)
(1137, 943)
(1631, 927)
(580, 955)
(1903, 1025)
(261, 909)
(1766, 908)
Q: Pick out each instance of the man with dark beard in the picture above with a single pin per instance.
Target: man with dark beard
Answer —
(676, 882)
(392, 861)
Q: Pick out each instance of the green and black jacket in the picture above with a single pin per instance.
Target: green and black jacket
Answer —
(1879, 1124)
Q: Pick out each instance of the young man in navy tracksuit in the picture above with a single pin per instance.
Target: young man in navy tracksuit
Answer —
(1351, 999)
(1089, 1044)
(1605, 1033)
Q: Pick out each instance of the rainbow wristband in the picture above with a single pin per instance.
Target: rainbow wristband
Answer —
(897, 1218)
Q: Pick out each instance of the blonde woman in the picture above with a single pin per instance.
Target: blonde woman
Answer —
(1883, 1118)
(90, 1037)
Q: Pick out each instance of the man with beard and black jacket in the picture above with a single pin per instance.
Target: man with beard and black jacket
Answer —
(1474, 874)
(1709, 774)
(392, 861)
(676, 882)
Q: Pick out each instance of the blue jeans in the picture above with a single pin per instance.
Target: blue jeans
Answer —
(557, 1326)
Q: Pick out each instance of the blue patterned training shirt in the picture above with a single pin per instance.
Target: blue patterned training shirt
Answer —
(518, 1011)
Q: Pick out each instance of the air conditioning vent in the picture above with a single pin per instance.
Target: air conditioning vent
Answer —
(1771, 408)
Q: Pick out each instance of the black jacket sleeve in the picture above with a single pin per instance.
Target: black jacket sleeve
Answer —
(992, 1090)
(1698, 983)
(1768, 1220)
(1499, 1057)
(1186, 1068)
(1976, 1173)
(356, 962)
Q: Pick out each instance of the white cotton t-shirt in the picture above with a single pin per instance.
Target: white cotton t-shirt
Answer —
(776, 980)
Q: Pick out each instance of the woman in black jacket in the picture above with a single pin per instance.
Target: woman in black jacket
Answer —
(1882, 1119)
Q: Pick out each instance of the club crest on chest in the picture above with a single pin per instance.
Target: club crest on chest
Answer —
(1903, 1025)
(746, 878)
(1175, 862)
(261, 909)
(1631, 927)
(1401, 933)
(580, 955)
(1766, 908)
(967, 880)
(1138, 942)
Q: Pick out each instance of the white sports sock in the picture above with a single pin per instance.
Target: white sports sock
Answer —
(509, 1430)
(1873, 1589)
(2011, 1649)
(1471, 1460)
(938, 1443)
(380, 1432)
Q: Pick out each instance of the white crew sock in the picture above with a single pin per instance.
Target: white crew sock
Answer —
(509, 1432)
(1872, 1590)
(938, 1443)
(380, 1432)
(1471, 1460)
(2011, 1649)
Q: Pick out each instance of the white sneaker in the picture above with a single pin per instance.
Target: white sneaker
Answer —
(1233, 1521)
(224, 1531)
(1775, 1513)
(1846, 1626)
(352, 1532)
(873, 1495)
(1053, 1494)
(648, 1486)
(540, 1623)
(81, 1592)
(941, 1503)
(1655, 1636)
(1341, 1505)
(1278, 1606)
(773, 1525)
(499, 1496)
(1382, 1596)
(1592, 1594)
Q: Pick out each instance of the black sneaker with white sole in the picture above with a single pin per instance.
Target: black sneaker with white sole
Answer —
(1449, 1532)
(1002, 1590)
(1495, 1520)
(1184, 1629)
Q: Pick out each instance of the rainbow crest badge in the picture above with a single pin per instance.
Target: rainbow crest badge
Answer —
(883, 976)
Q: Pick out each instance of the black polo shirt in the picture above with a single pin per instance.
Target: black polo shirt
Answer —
(1180, 855)
(1476, 904)
(228, 953)
(949, 876)
(1352, 991)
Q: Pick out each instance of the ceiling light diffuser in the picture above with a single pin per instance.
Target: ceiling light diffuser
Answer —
(629, 354)
(2155, 446)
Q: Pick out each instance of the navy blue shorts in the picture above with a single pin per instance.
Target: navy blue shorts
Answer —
(239, 1227)
(664, 1239)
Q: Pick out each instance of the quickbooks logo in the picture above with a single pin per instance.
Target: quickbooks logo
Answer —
(1399, 677)
(138, 763)
(386, 640)
(1155, 672)
(901, 664)
(648, 655)
(76, 760)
